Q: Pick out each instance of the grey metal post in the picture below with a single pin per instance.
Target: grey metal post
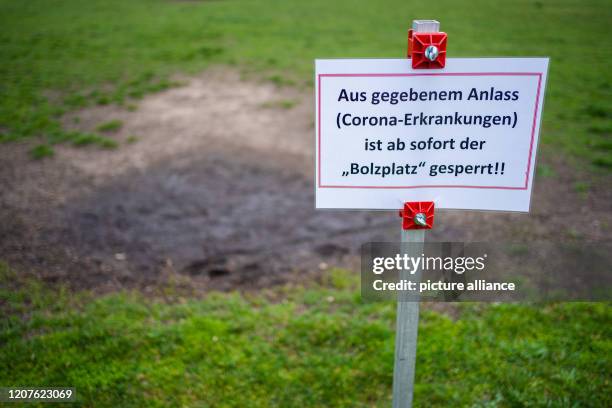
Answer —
(407, 323)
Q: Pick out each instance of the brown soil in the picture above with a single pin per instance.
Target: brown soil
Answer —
(217, 192)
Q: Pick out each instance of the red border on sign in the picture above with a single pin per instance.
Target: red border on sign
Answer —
(535, 114)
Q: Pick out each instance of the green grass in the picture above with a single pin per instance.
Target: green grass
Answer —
(110, 126)
(310, 347)
(42, 151)
(281, 104)
(84, 139)
(62, 56)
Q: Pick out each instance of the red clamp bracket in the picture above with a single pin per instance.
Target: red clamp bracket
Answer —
(427, 45)
(417, 215)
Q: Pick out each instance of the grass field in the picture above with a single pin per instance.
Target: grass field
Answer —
(315, 347)
(61, 55)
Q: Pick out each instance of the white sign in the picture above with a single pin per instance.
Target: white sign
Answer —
(464, 136)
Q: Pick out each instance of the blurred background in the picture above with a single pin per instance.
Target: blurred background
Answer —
(158, 239)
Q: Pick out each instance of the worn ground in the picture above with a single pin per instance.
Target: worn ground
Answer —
(212, 187)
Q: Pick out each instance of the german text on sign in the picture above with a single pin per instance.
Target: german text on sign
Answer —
(464, 136)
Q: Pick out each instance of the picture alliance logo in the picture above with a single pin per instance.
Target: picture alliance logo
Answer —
(405, 262)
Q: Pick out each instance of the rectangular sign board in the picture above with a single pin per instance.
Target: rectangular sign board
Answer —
(464, 136)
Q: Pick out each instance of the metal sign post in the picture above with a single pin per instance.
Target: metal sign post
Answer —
(416, 218)
(427, 49)
(407, 325)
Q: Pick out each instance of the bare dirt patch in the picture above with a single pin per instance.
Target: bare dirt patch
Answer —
(217, 192)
